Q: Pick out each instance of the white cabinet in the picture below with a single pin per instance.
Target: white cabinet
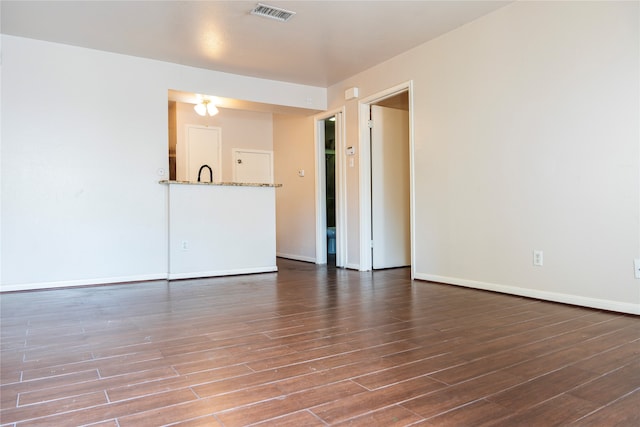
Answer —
(254, 166)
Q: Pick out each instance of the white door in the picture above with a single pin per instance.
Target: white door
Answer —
(203, 147)
(390, 194)
(254, 166)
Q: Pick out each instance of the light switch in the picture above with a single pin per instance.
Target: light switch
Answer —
(301, 172)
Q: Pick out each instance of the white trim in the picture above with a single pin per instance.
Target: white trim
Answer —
(364, 190)
(217, 273)
(320, 188)
(352, 266)
(412, 184)
(341, 190)
(365, 173)
(296, 257)
(622, 307)
(85, 282)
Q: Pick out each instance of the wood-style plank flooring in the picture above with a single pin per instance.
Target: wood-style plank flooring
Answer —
(312, 346)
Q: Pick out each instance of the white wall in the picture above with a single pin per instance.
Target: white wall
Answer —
(226, 230)
(526, 137)
(240, 129)
(84, 134)
(526, 128)
(295, 201)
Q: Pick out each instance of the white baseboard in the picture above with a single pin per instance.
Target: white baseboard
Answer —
(84, 282)
(126, 279)
(296, 257)
(216, 273)
(352, 266)
(534, 293)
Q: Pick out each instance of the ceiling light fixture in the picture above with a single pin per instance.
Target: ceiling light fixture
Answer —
(277, 13)
(205, 107)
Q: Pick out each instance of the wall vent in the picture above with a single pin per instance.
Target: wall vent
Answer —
(272, 12)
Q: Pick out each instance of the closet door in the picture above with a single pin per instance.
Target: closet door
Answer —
(203, 147)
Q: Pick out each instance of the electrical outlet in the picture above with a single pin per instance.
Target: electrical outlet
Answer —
(636, 266)
(185, 245)
(538, 258)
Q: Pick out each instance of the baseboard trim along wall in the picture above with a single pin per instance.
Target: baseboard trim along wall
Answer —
(84, 282)
(127, 279)
(216, 273)
(296, 257)
(533, 293)
(512, 290)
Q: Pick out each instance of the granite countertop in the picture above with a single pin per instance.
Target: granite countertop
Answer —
(228, 184)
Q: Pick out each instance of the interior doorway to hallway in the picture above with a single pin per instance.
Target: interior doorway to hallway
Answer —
(386, 202)
(330, 191)
(390, 207)
(330, 186)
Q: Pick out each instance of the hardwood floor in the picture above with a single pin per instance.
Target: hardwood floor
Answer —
(312, 346)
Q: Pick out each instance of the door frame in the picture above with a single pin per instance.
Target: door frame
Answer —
(321, 185)
(366, 262)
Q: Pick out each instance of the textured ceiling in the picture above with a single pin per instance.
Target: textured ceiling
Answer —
(324, 43)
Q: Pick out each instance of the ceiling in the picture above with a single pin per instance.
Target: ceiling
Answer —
(324, 43)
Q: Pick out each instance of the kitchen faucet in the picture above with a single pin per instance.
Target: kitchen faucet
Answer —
(210, 172)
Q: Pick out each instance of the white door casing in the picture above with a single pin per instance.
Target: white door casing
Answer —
(390, 225)
(364, 164)
(320, 188)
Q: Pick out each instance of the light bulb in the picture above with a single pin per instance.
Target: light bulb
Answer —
(200, 109)
(211, 109)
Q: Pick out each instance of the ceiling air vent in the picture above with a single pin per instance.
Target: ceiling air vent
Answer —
(272, 12)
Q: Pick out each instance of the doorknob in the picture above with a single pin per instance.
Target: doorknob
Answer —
(239, 161)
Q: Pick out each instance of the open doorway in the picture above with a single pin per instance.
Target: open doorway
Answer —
(386, 180)
(330, 191)
(390, 201)
(330, 187)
